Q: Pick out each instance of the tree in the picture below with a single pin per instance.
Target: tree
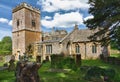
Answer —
(106, 18)
(29, 49)
(6, 39)
(6, 45)
(117, 36)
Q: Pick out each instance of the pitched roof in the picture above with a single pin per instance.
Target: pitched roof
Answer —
(77, 35)
(82, 35)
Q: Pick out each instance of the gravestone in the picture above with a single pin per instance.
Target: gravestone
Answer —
(11, 65)
(38, 59)
(27, 72)
(47, 58)
(13, 57)
(7, 58)
(78, 59)
(117, 61)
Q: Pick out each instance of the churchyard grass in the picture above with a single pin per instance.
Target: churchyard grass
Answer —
(6, 76)
(115, 55)
(70, 76)
(1, 63)
(104, 65)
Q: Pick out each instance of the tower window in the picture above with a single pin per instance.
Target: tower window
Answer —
(33, 23)
(18, 23)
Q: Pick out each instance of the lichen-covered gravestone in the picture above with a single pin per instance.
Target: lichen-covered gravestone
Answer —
(11, 64)
(27, 72)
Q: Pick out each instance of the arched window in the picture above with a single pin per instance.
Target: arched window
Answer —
(68, 45)
(77, 49)
(94, 48)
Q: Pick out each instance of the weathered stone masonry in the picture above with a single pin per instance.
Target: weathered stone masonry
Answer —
(26, 27)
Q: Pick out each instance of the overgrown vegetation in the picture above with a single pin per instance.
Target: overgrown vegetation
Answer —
(61, 62)
(70, 76)
(6, 46)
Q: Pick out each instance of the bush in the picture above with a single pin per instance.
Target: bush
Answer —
(85, 68)
(94, 72)
(97, 72)
(60, 62)
(110, 73)
(69, 63)
(56, 61)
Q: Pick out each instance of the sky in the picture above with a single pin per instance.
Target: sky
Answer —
(60, 14)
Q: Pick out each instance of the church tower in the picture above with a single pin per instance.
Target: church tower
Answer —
(26, 27)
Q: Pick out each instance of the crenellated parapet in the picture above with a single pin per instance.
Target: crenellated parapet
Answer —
(25, 5)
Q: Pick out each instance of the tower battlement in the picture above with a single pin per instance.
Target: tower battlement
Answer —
(25, 5)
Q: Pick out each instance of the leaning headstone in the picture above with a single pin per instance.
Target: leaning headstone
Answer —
(11, 65)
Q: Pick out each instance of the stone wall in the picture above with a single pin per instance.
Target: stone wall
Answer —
(29, 16)
(18, 42)
(85, 50)
(18, 15)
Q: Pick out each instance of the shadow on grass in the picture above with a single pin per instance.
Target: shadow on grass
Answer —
(71, 76)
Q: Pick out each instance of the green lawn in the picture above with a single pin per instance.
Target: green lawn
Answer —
(1, 63)
(6, 76)
(104, 65)
(115, 55)
(71, 76)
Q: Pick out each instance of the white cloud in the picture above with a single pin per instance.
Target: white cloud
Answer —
(88, 17)
(56, 5)
(4, 33)
(10, 23)
(48, 17)
(4, 20)
(64, 20)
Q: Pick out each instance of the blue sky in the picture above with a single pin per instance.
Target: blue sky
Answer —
(61, 14)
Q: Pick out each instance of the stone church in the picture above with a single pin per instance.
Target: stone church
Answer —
(27, 30)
